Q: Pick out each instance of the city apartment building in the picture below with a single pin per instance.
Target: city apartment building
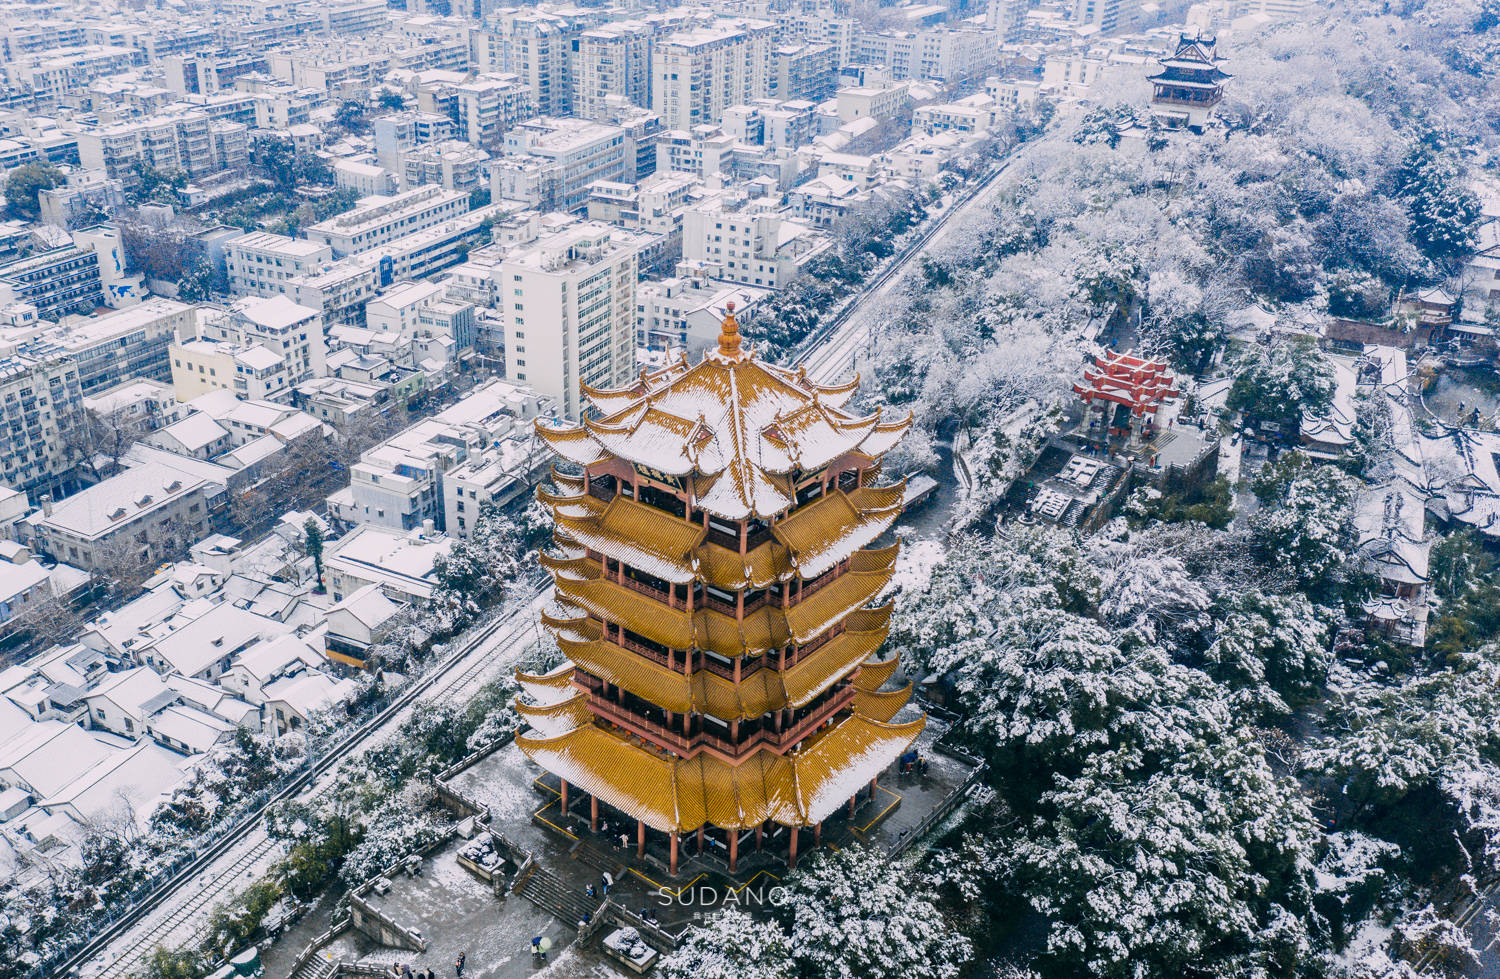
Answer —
(537, 46)
(379, 220)
(87, 197)
(821, 26)
(259, 348)
(803, 71)
(57, 282)
(701, 153)
(489, 107)
(261, 263)
(551, 162)
(399, 484)
(209, 72)
(39, 398)
(142, 515)
(451, 164)
(748, 244)
(114, 347)
(697, 74)
(401, 131)
(687, 313)
(422, 311)
(191, 141)
(612, 62)
(569, 303)
(943, 55)
(879, 102)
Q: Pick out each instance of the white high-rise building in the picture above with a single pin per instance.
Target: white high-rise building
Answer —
(696, 75)
(569, 302)
(612, 60)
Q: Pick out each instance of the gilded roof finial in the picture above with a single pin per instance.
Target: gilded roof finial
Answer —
(729, 335)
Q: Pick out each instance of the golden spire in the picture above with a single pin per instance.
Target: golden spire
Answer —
(729, 336)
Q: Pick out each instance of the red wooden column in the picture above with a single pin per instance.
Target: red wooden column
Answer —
(594, 813)
(734, 849)
(760, 832)
(640, 838)
(818, 833)
(672, 865)
(852, 800)
(700, 839)
(564, 795)
(791, 855)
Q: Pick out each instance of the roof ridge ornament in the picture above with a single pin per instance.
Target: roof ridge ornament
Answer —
(729, 335)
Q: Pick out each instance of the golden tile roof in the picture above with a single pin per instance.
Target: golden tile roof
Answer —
(579, 582)
(568, 485)
(872, 676)
(552, 720)
(882, 705)
(826, 532)
(869, 572)
(743, 428)
(758, 693)
(644, 537)
(808, 542)
(551, 688)
(801, 788)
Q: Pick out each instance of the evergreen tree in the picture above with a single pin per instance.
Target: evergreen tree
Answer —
(24, 184)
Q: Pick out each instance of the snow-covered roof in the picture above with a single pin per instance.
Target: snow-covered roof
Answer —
(307, 693)
(265, 660)
(129, 690)
(216, 635)
(196, 432)
(367, 606)
(49, 755)
(741, 427)
(137, 777)
(196, 729)
(118, 500)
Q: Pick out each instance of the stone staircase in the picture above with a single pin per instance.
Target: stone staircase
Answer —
(550, 894)
(316, 967)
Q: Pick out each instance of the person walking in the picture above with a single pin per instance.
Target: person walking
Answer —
(458, 965)
(608, 880)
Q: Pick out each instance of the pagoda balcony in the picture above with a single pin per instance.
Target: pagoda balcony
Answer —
(1189, 100)
(749, 665)
(754, 734)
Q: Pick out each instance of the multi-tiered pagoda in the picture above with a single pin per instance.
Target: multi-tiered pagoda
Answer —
(713, 558)
(1189, 84)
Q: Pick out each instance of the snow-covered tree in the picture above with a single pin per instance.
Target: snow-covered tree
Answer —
(1270, 650)
(856, 915)
(731, 945)
(1278, 381)
(1205, 865)
(1444, 214)
(479, 568)
(1304, 531)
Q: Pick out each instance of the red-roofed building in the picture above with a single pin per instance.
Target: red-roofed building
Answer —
(1124, 392)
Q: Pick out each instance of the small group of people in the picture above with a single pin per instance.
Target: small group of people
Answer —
(593, 893)
(913, 762)
(405, 972)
